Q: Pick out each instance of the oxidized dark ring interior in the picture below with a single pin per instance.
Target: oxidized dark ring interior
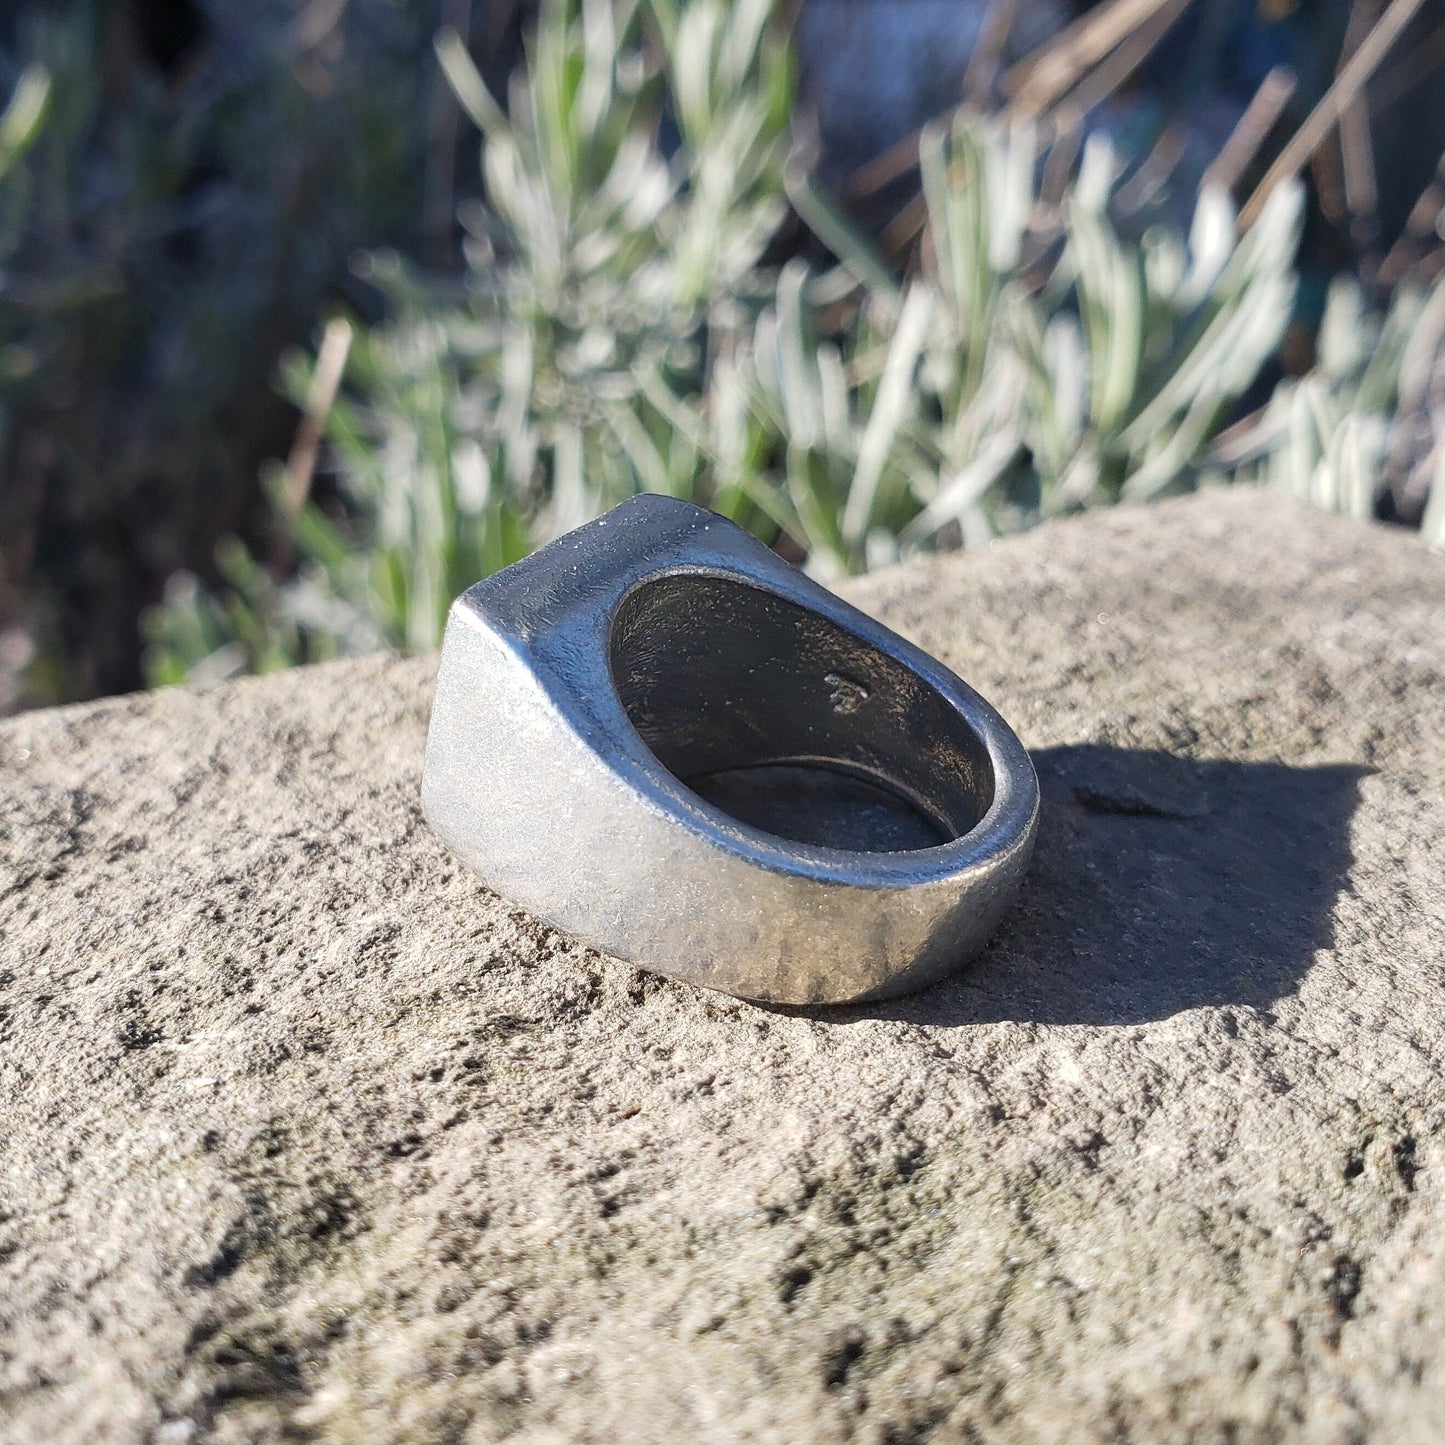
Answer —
(722, 681)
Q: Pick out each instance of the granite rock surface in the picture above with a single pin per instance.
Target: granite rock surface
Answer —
(306, 1136)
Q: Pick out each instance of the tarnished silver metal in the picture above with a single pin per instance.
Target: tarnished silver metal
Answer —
(659, 737)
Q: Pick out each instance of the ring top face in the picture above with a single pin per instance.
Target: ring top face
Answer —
(661, 738)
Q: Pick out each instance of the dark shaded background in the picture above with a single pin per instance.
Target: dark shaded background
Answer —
(206, 171)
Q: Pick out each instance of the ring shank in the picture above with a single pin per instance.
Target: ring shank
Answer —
(632, 726)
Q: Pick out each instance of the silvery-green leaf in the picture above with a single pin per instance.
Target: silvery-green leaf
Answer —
(1345, 337)
(1009, 179)
(1378, 386)
(1420, 356)
(1345, 478)
(473, 477)
(1432, 524)
(961, 492)
(746, 22)
(853, 250)
(468, 86)
(895, 390)
(647, 462)
(833, 395)
(1165, 269)
(1212, 237)
(796, 366)
(1098, 172)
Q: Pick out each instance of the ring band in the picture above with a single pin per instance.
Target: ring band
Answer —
(660, 738)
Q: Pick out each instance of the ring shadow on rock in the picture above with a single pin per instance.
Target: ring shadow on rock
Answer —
(1158, 884)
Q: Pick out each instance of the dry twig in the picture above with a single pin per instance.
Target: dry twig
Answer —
(325, 382)
(1040, 79)
(1253, 129)
(1347, 85)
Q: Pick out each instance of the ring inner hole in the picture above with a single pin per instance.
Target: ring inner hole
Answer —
(790, 723)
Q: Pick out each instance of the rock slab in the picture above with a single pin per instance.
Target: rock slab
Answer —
(306, 1136)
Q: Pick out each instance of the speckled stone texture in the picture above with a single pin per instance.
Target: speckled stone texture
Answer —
(305, 1136)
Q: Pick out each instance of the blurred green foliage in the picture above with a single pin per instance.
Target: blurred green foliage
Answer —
(1369, 417)
(634, 313)
(19, 126)
(601, 272)
(624, 326)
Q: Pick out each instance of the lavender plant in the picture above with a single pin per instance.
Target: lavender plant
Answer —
(622, 327)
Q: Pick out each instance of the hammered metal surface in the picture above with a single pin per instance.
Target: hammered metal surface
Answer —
(659, 737)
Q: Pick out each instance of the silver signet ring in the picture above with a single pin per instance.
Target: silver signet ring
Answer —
(657, 736)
